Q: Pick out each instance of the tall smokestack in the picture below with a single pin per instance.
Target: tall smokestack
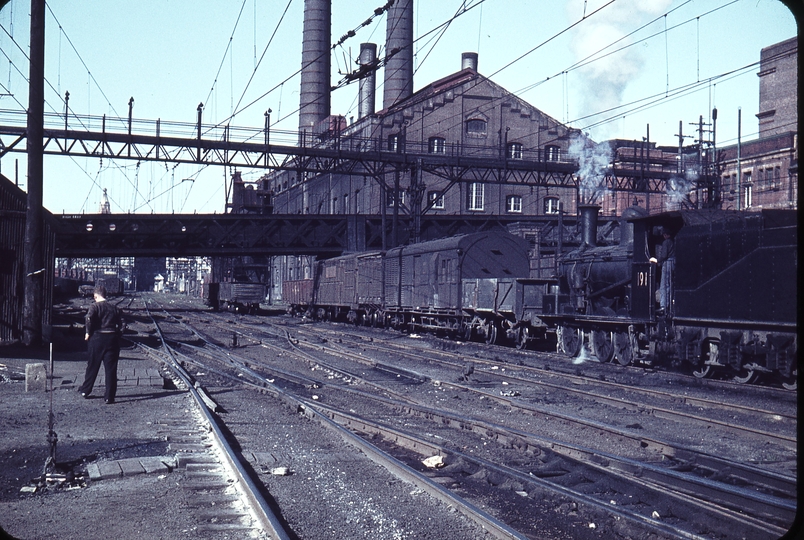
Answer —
(399, 47)
(315, 73)
(368, 83)
(469, 60)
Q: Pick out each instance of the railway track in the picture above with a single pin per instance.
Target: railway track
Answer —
(773, 508)
(245, 375)
(219, 468)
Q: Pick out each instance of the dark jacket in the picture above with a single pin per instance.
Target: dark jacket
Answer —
(667, 250)
(104, 317)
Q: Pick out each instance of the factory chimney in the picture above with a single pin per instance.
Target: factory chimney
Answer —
(314, 98)
(399, 52)
(368, 82)
(469, 60)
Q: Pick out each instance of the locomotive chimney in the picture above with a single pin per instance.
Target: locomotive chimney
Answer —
(399, 51)
(469, 60)
(588, 214)
(365, 105)
(314, 100)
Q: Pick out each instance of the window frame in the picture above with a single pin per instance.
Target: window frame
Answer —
(548, 206)
(513, 204)
(437, 145)
(389, 198)
(552, 152)
(515, 150)
(436, 196)
(393, 143)
(476, 197)
(476, 122)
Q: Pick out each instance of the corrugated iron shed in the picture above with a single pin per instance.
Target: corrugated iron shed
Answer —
(13, 204)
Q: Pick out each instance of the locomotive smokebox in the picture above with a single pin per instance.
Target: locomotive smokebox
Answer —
(588, 214)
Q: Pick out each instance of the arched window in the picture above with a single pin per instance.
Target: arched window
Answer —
(551, 205)
(476, 126)
(513, 204)
(514, 150)
(552, 152)
(437, 145)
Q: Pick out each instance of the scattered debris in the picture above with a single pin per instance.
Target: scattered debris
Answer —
(281, 471)
(434, 462)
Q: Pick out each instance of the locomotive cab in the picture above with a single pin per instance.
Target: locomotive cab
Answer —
(646, 271)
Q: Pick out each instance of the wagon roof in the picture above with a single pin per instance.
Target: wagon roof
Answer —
(462, 241)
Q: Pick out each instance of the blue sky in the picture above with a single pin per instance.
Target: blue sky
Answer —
(171, 55)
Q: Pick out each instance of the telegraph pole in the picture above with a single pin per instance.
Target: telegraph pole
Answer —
(34, 267)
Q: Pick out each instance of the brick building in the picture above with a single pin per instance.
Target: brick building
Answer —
(463, 114)
(763, 173)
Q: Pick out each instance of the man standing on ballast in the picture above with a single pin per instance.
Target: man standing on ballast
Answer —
(104, 326)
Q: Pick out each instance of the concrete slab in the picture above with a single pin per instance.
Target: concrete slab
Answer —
(155, 465)
(35, 378)
(94, 471)
(131, 466)
(109, 469)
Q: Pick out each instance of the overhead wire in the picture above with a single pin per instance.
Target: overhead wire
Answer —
(226, 51)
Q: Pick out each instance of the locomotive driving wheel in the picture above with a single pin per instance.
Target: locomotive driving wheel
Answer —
(569, 340)
(491, 334)
(791, 382)
(709, 353)
(746, 376)
(622, 348)
(603, 346)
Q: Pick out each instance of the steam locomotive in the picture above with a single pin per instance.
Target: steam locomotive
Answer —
(732, 310)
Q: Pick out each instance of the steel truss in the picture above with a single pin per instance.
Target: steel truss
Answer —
(237, 147)
(230, 235)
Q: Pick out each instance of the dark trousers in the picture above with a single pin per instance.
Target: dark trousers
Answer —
(102, 348)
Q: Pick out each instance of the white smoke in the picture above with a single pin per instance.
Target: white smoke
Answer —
(603, 81)
(594, 161)
(678, 189)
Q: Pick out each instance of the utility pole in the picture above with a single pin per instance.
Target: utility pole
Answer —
(33, 266)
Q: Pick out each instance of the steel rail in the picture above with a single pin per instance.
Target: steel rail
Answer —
(495, 527)
(790, 442)
(766, 479)
(262, 511)
(650, 476)
(417, 444)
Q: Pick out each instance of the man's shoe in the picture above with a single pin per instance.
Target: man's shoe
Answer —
(85, 395)
(109, 402)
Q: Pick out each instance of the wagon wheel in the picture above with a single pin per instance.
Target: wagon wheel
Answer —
(491, 334)
(791, 382)
(622, 348)
(569, 340)
(746, 376)
(709, 353)
(523, 339)
(703, 372)
(468, 332)
(603, 346)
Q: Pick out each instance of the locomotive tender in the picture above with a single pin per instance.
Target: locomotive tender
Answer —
(732, 311)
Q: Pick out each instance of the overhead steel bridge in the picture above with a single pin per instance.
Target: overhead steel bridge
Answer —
(229, 235)
(176, 142)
